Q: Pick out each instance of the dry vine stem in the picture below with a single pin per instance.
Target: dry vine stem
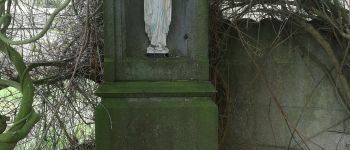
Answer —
(26, 118)
(38, 36)
(326, 46)
(328, 23)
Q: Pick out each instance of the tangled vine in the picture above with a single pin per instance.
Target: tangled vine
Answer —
(26, 117)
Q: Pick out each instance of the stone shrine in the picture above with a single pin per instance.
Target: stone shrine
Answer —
(160, 98)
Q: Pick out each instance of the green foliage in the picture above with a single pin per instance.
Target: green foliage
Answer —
(9, 93)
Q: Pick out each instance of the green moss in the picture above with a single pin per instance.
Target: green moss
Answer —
(157, 124)
(156, 89)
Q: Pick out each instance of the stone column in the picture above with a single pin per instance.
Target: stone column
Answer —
(156, 102)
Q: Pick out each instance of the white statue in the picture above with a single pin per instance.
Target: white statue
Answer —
(157, 22)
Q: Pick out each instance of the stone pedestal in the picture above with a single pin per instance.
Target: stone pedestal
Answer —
(157, 124)
(158, 102)
(156, 116)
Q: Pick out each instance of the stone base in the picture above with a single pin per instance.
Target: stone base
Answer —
(165, 123)
(157, 50)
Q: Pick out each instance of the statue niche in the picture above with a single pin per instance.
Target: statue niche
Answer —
(157, 21)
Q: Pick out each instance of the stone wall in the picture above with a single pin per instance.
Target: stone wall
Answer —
(269, 76)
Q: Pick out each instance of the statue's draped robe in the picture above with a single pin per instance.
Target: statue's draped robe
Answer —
(157, 22)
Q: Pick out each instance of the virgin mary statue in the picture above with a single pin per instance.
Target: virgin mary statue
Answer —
(157, 22)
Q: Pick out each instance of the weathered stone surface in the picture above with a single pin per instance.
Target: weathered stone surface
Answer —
(156, 124)
(300, 86)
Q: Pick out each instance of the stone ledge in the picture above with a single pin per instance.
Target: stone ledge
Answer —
(137, 89)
